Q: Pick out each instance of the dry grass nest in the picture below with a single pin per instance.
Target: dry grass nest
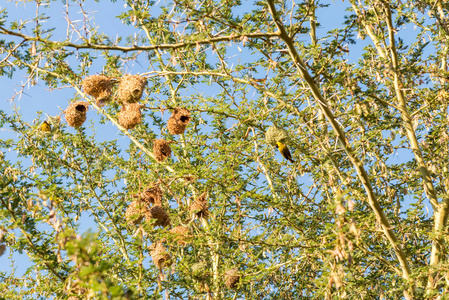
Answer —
(131, 88)
(178, 121)
(276, 134)
(160, 255)
(161, 150)
(151, 195)
(199, 271)
(130, 115)
(181, 235)
(232, 278)
(98, 86)
(135, 212)
(200, 207)
(157, 216)
(75, 114)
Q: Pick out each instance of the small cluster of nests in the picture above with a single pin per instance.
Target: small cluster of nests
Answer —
(129, 92)
(147, 207)
(98, 86)
(176, 124)
(200, 272)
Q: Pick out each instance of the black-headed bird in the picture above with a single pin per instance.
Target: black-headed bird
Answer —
(284, 151)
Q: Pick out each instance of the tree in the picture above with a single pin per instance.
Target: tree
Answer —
(361, 213)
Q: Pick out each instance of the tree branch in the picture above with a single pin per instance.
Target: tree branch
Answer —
(358, 165)
(139, 48)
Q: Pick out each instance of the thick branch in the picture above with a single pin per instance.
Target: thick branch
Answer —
(139, 48)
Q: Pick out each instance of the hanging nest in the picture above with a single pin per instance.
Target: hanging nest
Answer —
(158, 214)
(232, 278)
(160, 255)
(78, 293)
(181, 235)
(199, 271)
(73, 289)
(161, 150)
(130, 115)
(276, 134)
(98, 86)
(135, 212)
(75, 114)
(152, 195)
(178, 121)
(131, 88)
(199, 207)
(2, 248)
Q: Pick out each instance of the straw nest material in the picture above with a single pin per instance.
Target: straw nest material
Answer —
(2, 248)
(131, 88)
(98, 86)
(152, 195)
(200, 207)
(78, 293)
(232, 278)
(135, 212)
(199, 271)
(160, 255)
(75, 114)
(181, 235)
(161, 150)
(157, 216)
(178, 121)
(130, 115)
(73, 289)
(276, 134)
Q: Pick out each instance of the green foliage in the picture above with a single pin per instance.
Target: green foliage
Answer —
(362, 214)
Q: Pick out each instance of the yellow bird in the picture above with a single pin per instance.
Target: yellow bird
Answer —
(284, 151)
(45, 127)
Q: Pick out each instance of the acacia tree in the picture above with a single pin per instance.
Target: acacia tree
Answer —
(361, 214)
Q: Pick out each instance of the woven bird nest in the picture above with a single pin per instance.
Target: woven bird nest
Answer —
(161, 150)
(98, 86)
(131, 88)
(78, 293)
(135, 212)
(130, 115)
(157, 216)
(160, 255)
(75, 114)
(178, 121)
(232, 278)
(199, 207)
(152, 195)
(199, 271)
(72, 288)
(181, 235)
(2, 248)
(276, 134)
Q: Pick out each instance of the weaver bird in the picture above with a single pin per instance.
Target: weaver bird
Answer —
(284, 151)
(45, 126)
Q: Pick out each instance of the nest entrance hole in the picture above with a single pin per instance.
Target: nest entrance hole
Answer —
(185, 119)
(80, 108)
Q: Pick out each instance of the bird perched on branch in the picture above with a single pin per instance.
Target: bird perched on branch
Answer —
(45, 127)
(284, 151)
